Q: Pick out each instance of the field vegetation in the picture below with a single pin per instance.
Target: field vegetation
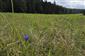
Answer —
(47, 35)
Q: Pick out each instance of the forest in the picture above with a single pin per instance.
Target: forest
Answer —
(34, 6)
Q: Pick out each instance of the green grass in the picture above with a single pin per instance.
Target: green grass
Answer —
(49, 35)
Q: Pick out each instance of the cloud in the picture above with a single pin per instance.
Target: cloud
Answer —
(80, 4)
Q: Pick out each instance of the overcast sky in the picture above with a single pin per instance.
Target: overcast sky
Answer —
(70, 3)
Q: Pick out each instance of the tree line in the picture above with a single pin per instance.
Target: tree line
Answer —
(32, 6)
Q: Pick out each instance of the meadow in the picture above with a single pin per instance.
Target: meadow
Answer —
(48, 34)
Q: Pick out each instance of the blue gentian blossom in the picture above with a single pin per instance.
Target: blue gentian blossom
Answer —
(26, 37)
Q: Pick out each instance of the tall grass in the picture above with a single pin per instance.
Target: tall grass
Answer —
(49, 35)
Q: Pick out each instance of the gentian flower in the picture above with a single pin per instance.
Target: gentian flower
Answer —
(26, 37)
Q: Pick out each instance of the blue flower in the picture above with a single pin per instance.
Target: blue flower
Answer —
(26, 37)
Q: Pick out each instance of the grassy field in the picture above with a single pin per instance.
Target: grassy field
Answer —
(49, 35)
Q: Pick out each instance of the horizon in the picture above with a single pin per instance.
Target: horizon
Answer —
(77, 4)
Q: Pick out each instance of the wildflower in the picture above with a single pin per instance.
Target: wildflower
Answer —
(26, 37)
